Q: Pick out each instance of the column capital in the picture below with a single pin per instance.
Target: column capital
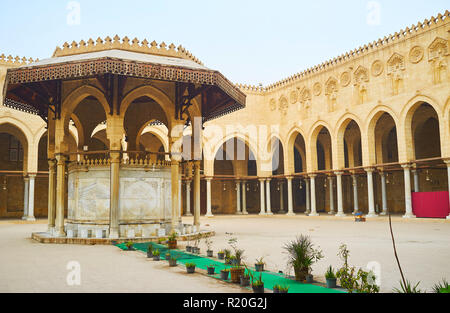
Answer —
(52, 162)
(32, 175)
(339, 173)
(406, 166)
(208, 179)
(447, 162)
(26, 178)
(289, 177)
(370, 170)
(262, 180)
(312, 176)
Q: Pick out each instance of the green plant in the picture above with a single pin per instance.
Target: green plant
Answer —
(225, 270)
(302, 255)
(407, 287)
(255, 282)
(330, 273)
(156, 253)
(173, 236)
(191, 265)
(150, 248)
(283, 288)
(354, 280)
(129, 244)
(208, 243)
(227, 253)
(441, 287)
(221, 252)
(260, 261)
(211, 266)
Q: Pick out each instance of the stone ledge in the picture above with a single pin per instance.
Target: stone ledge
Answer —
(45, 238)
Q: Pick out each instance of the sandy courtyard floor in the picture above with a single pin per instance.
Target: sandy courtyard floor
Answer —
(423, 247)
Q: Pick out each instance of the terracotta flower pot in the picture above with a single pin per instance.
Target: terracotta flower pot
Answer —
(236, 274)
(172, 244)
(300, 274)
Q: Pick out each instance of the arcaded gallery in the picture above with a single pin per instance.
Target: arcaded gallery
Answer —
(118, 138)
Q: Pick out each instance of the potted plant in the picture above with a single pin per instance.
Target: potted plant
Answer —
(330, 276)
(190, 268)
(150, 251)
(257, 284)
(211, 269)
(172, 261)
(208, 243)
(276, 289)
(221, 255)
(188, 246)
(302, 255)
(172, 241)
(283, 289)
(259, 265)
(224, 274)
(167, 256)
(195, 248)
(129, 246)
(156, 255)
(245, 280)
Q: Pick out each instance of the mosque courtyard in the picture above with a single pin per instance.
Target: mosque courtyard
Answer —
(422, 246)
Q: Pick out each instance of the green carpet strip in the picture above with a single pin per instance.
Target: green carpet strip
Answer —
(270, 279)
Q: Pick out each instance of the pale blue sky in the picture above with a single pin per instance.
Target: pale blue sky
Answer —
(248, 41)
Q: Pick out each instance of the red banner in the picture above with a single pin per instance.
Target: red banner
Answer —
(431, 204)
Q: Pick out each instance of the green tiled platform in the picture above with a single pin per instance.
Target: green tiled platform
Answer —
(270, 279)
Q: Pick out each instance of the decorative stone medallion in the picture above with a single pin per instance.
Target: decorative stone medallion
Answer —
(377, 68)
(345, 79)
(283, 105)
(273, 105)
(416, 54)
(317, 89)
(294, 96)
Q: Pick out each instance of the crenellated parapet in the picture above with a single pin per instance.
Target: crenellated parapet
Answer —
(374, 46)
(15, 61)
(125, 44)
(251, 88)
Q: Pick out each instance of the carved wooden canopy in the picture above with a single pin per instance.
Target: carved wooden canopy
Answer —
(36, 87)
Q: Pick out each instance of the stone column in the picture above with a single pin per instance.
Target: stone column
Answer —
(51, 195)
(330, 185)
(114, 231)
(208, 198)
(262, 194)
(188, 198)
(60, 195)
(197, 198)
(244, 198)
(180, 198)
(340, 195)
(238, 198)
(313, 196)
(175, 168)
(308, 196)
(448, 177)
(416, 180)
(408, 202)
(383, 193)
(290, 197)
(355, 194)
(26, 197)
(268, 202)
(370, 193)
(30, 216)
